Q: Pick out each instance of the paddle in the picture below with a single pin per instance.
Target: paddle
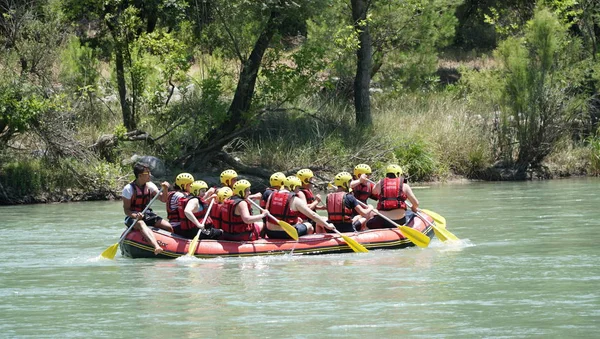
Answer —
(194, 243)
(289, 229)
(354, 245)
(412, 234)
(110, 252)
(441, 232)
(438, 218)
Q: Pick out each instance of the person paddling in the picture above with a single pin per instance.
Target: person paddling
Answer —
(237, 221)
(343, 209)
(181, 190)
(192, 209)
(135, 196)
(306, 192)
(393, 192)
(284, 204)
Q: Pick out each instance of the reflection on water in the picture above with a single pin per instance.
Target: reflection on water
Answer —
(526, 266)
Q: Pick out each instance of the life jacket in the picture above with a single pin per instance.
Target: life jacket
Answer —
(186, 224)
(265, 196)
(362, 192)
(215, 215)
(230, 222)
(173, 207)
(280, 207)
(140, 198)
(336, 209)
(392, 197)
(310, 197)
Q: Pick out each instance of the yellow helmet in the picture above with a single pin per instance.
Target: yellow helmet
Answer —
(305, 175)
(227, 175)
(277, 179)
(292, 182)
(224, 193)
(240, 186)
(343, 179)
(362, 169)
(197, 186)
(394, 169)
(184, 179)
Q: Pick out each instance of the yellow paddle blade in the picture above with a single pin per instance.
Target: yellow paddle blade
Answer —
(289, 229)
(194, 244)
(354, 245)
(440, 235)
(436, 217)
(415, 236)
(110, 252)
(443, 234)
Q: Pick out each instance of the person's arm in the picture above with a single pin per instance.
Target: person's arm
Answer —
(191, 206)
(127, 209)
(353, 204)
(126, 196)
(255, 196)
(411, 197)
(165, 191)
(244, 213)
(301, 206)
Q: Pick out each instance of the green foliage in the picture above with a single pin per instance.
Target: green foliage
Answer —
(20, 105)
(415, 157)
(594, 146)
(535, 101)
(79, 68)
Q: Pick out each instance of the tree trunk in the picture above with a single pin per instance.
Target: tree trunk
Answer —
(362, 81)
(128, 118)
(236, 120)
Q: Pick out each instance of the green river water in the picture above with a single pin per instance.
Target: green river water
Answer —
(527, 266)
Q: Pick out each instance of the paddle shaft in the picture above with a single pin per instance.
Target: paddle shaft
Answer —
(207, 212)
(143, 212)
(263, 210)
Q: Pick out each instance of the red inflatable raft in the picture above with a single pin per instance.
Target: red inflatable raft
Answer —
(136, 246)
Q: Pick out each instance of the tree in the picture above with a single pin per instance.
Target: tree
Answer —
(126, 21)
(536, 98)
(362, 79)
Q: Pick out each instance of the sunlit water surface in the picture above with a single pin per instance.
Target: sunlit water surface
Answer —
(527, 267)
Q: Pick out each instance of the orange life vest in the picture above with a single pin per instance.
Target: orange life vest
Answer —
(230, 222)
(336, 209)
(392, 196)
(280, 207)
(362, 192)
(215, 215)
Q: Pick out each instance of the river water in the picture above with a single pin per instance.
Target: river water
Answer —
(526, 267)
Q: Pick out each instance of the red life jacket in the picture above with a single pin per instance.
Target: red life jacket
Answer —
(173, 208)
(392, 197)
(186, 224)
(362, 192)
(140, 198)
(215, 215)
(265, 196)
(280, 207)
(310, 197)
(336, 209)
(230, 222)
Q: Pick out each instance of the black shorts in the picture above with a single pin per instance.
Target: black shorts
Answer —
(301, 228)
(345, 227)
(150, 218)
(378, 222)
